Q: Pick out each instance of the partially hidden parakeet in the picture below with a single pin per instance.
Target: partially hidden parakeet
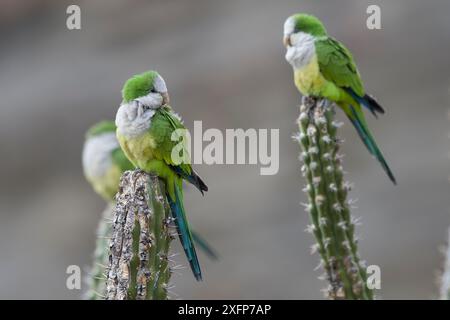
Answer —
(104, 162)
(103, 159)
(145, 123)
(324, 68)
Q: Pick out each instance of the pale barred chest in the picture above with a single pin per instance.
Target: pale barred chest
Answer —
(301, 51)
(303, 58)
(134, 132)
(132, 121)
(97, 152)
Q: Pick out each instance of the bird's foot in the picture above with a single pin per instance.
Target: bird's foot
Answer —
(309, 102)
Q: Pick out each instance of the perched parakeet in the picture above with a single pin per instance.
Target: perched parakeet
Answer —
(324, 68)
(104, 162)
(103, 159)
(145, 123)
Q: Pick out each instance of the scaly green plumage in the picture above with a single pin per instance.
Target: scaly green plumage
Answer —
(107, 184)
(337, 65)
(151, 149)
(323, 67)
(151, 152)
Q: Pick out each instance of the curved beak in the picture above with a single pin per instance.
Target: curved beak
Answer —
(165, 97)
(287, 41)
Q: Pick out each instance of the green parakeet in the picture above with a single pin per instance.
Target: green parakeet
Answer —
(145, 123)
(103, 159)
(104, 162)
(324, 68)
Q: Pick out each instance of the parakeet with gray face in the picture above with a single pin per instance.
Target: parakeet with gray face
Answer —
(145, 123)
(104, 162)
(324, 68)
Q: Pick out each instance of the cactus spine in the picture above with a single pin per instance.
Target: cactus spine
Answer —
(445, 277)
(328, 208)
(138, 266)
(97, 276)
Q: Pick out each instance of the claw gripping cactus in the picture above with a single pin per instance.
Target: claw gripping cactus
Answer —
(332, 224)
(138, 266)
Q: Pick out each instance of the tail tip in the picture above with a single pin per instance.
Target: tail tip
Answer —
(394, 181)
(203, 186)
(198, 277)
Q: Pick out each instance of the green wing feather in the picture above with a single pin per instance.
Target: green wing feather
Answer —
(337, 65)
(164, 123)
(184, 169)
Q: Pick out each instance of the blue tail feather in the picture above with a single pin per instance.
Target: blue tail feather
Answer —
(367, 101)
(204, 245)
(184, 233)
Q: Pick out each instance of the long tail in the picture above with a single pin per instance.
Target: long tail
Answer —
(184, 232)
(204, 245)
(357, 118)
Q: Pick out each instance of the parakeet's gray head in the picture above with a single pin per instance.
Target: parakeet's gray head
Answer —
(142, 95)
(300, 31)
(100, 142)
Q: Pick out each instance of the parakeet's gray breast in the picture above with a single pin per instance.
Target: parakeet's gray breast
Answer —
(301, 51)
(132, 121)
(97, 153)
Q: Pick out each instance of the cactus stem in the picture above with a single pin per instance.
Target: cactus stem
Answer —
(140, 241)
(445, 277)
(96, 275)
(328, 208)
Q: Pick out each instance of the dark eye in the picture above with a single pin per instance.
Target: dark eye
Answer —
(145, 108)
(153, 90)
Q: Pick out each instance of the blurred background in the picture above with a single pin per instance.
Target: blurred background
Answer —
(223, 62)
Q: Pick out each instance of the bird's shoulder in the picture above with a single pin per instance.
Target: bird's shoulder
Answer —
(336, 63)
(164, 123)
(168, 131)
(331, 50)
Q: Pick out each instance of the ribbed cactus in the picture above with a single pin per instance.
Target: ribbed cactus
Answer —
(445, 277)
(328, 208)
(96, 278)
(138, 265)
